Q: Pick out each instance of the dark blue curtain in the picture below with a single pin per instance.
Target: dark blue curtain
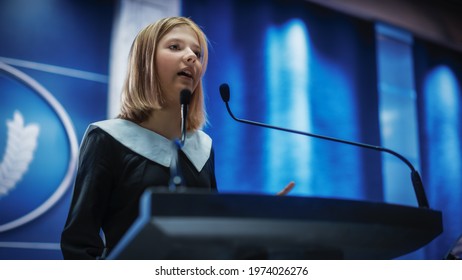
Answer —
(301, 66)
(438, 74)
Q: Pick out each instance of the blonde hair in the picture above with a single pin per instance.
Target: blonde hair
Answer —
(142, 92)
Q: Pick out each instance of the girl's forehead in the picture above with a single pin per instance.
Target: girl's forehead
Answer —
(182, 32)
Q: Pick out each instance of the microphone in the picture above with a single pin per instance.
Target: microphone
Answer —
(185, 98)
(176, 179)
(415, 177)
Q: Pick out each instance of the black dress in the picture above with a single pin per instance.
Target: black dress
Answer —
(113, 172)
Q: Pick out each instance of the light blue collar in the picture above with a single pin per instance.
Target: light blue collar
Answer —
(197, 145)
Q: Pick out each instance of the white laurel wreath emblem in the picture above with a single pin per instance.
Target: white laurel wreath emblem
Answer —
(20, 148)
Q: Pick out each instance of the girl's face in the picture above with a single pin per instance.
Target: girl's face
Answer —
(179, 64)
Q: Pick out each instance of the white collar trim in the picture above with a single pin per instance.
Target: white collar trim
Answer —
(155, 147)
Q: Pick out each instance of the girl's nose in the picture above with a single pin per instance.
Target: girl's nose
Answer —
(191, 57)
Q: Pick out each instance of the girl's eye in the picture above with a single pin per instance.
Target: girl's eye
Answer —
(174, 47)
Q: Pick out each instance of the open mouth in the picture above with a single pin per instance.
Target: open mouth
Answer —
(185, 74)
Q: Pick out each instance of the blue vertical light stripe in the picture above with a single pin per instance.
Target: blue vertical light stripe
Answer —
(397, 111)
(287, 78)
(442, 106)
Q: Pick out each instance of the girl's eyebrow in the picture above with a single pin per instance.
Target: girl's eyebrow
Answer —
(175, 39)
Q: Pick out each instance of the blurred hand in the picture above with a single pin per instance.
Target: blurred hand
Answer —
(286, 189)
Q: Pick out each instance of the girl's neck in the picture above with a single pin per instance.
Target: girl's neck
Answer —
(164, 122)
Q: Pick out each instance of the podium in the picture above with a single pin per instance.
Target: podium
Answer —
(197, 225)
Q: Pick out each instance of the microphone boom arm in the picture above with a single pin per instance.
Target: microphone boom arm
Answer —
(415, 177)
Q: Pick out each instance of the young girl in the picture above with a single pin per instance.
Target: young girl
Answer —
(120, 158)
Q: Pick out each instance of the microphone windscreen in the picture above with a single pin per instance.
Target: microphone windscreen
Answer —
(185, 97)
(224, 92)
